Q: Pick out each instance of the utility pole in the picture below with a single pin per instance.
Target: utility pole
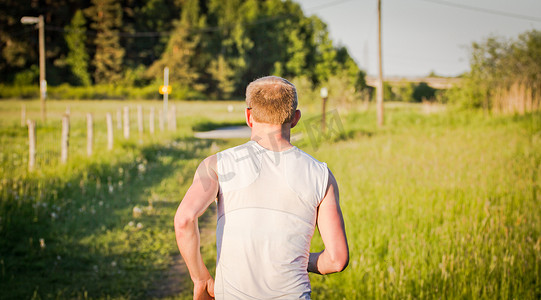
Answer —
(379, 89)
(42, 82)
(165, 90)
(324, 94)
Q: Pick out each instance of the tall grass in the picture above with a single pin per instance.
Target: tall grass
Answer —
(100, 226)
(440, 206)
(518, 98)
(445, 205)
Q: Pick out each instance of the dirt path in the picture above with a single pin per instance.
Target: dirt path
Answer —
(173, 281)
(176, 280)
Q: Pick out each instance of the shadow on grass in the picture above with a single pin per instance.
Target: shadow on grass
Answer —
(80, 237)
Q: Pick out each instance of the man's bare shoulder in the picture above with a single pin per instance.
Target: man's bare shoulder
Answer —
(208, 167)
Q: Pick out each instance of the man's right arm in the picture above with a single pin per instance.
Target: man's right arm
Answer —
(335, 256)
(199, 196)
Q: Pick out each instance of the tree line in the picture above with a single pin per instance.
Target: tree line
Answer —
(212, 47)
(504, 76)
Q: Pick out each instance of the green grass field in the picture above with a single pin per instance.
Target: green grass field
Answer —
(444, 206)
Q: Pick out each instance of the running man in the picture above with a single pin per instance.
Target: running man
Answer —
(270, 197)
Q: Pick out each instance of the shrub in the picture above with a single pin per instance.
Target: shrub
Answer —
(505, 75)
(21, 92)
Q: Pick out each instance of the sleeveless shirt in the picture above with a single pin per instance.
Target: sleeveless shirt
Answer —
(267, 210)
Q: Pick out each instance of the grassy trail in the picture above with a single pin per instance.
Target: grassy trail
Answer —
(99, 227)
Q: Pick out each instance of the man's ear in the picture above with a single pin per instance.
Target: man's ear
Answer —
(296, 118)
(248, 115)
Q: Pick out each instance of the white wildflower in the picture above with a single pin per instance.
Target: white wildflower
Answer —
(137, 212)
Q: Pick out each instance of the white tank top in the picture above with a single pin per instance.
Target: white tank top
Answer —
(267, 209)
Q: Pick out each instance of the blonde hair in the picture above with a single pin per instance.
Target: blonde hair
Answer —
(272, 100)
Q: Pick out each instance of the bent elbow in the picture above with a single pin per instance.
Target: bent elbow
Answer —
(342, 265)
(182, 222)
(339, 263)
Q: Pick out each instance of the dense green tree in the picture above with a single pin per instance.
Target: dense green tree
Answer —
(296, 53)
(146, 26)
(107, 19)
(181, 50)
(19, 42)
(404, 91)
(223, 75)
(77, 57)
(231, 40)
(325, 53)
(423, 92)
(212, 46)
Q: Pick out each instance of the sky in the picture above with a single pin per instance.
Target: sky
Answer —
(421, 36)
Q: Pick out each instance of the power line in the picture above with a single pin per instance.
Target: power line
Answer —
(486, 10)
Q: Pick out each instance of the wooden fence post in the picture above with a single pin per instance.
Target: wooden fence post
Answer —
(126, 122)
(151, 121)
(118, 119)
(68, 110)
(23, 115)
(109, 131)
(64, 141)
(140, 121)
(31, 144)
(89, 134)
(160, 120)
(172, 122)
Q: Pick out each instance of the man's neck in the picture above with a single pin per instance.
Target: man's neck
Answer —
(271, 136)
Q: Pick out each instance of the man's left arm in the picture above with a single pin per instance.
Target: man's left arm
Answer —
(199, 196)
(330, 222)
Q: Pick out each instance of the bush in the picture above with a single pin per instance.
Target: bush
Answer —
(423, 92)
(305, 90)
(505, 75)
(98, 92)
(27, 77)
(342, 89)
(20, 92)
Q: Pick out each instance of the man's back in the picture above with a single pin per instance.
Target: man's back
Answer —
(268, 206)
(267, 210)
